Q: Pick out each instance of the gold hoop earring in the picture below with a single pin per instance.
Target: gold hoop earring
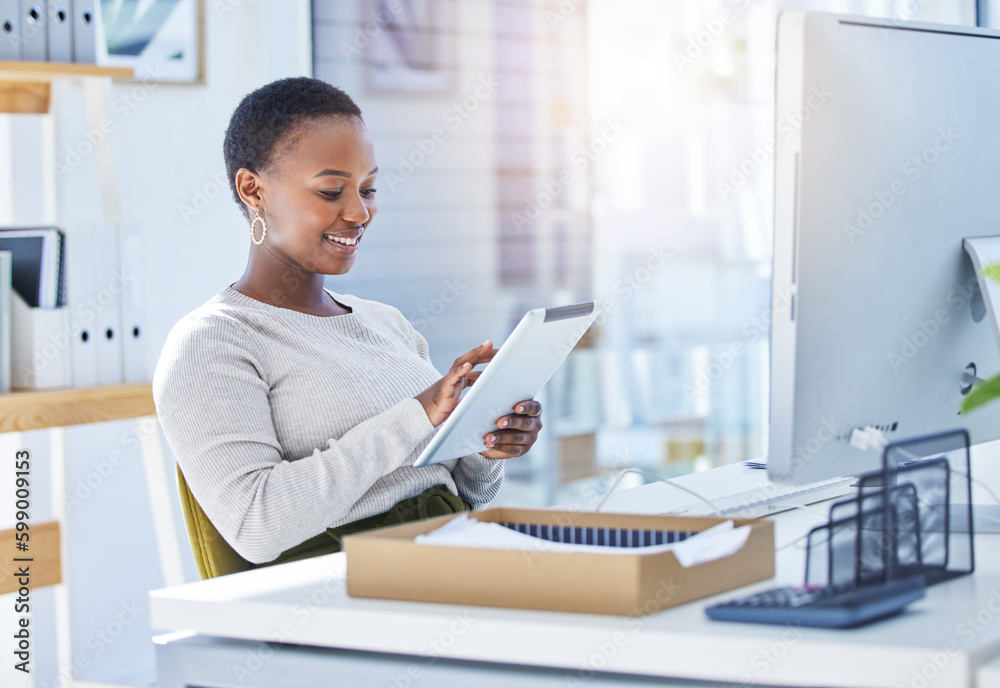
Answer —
(262, 224)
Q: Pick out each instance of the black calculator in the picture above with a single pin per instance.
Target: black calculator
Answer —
(832, 606)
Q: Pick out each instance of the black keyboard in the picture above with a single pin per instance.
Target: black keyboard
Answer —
(822, 606)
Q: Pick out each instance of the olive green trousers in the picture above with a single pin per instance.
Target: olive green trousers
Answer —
(434, 501)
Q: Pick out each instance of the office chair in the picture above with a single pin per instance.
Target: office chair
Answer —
(213, 555)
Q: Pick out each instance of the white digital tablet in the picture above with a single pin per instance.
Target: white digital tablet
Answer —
(521, 367)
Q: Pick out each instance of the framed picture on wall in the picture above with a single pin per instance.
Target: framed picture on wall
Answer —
(412, 47)
(162, 40)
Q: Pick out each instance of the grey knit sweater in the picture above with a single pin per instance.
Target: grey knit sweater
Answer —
(286, 423)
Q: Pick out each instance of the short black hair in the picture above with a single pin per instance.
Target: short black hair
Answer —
(266, 116)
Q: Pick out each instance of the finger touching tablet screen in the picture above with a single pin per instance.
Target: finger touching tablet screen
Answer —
(521, 367)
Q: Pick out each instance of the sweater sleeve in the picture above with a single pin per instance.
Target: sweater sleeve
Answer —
(212, 403)
(477, 478)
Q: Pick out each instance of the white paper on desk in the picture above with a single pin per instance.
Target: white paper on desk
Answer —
(708, 545)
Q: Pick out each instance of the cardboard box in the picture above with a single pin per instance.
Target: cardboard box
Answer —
(387, 563)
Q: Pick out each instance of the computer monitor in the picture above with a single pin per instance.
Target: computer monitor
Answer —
(887, 155)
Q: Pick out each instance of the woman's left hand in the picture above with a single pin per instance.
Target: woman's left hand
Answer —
(516, 433)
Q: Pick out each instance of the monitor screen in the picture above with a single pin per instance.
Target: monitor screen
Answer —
(887, 156)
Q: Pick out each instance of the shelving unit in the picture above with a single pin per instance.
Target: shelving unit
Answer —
(24, 410)
(35, 410)
(26, 87)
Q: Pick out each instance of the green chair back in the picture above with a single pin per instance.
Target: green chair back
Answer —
(213, 555)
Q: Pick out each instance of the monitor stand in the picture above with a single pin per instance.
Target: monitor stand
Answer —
(985, 254)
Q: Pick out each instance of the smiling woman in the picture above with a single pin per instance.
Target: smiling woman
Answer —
(295, 412)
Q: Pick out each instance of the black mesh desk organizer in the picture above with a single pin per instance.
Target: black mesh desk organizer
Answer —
(907, 526)
(913, 517)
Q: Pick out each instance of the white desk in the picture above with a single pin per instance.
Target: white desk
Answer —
(222, 624)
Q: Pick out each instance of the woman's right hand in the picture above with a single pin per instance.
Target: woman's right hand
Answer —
(441, 398)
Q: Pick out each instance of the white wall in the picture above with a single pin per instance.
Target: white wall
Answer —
(442, 249)
(445, 248)
(431, 250)
(168, 149)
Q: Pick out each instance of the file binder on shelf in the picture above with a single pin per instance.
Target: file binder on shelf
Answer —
(10, 30)
(6, 267)
(134, 333)
(86, 20)
(60, 25)
(81, 254)
(34, 31)
(108, 296)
